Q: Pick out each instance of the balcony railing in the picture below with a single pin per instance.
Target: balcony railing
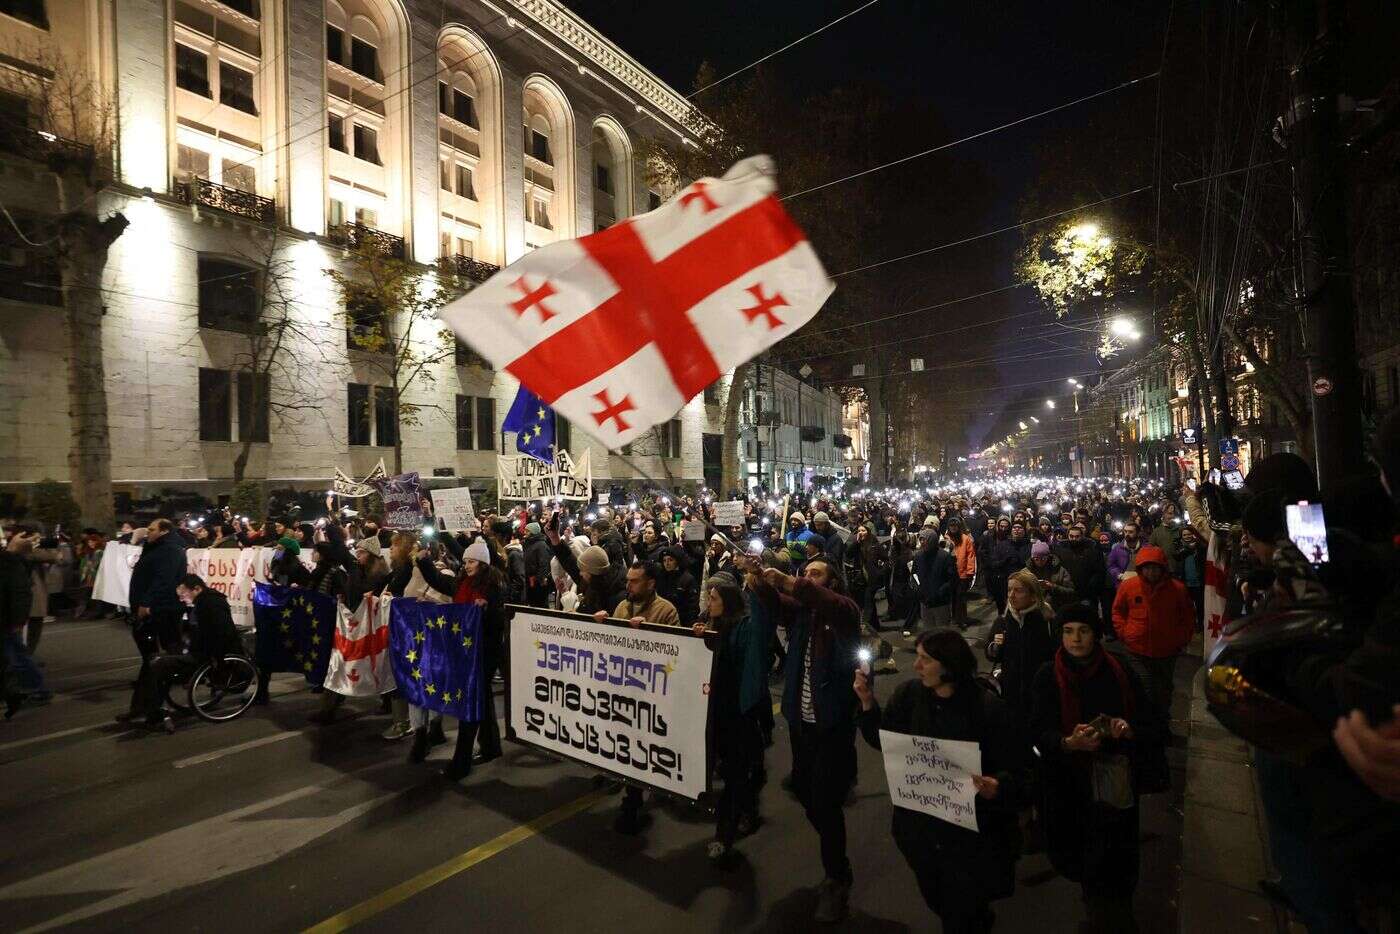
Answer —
(356, 236)
(236, 201)
(468, 268)
(40, 145)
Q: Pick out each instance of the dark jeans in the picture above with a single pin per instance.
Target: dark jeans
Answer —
(1157, 675)
(32, 632)
(1106, 612)
(948, 882)
(960, 588)
(1198, 597)
(739, 743)
(158, 632)
(823, 764)
(27, 678)
(156, 672)
(1319, 892)
(486, 728)
(996, 592)
(868, 609)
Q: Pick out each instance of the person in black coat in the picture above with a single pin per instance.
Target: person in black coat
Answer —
(999, 559)
(1085, 563)
(1021, 641)
(213, 637)
(538, 582)
(678, 585)
(602, 585)
(151, 596)
(937, 571)
(1091, 714)
(959, 871)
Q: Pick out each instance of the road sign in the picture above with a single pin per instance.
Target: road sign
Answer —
(1190, 437)
(1229, 445)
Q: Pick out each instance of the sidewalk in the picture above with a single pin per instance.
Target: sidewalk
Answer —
(1224, 847)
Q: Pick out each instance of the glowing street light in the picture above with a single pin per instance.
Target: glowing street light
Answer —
(1122, 327)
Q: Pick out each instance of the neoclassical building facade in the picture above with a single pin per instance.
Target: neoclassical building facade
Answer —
(259, 134)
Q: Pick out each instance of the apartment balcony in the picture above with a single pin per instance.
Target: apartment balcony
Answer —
(841, 442)
(41, 145)
(234, 201)
(468, 268)
(356, 236)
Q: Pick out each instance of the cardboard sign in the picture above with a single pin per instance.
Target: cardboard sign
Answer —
(403, 508)
(933, 776)
(728, 513)
(454, 508)
(692, 531)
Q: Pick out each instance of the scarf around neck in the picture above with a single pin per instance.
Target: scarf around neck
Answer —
(1070, 678)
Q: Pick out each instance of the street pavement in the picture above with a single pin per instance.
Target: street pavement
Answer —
(267, 823)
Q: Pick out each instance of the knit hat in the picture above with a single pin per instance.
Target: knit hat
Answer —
(594, 560)
(533, 528)
(478, 551)
(930, 522)
(1080, 612)
(799, 517)
(289, 545)
(820, 517)
(370, 545)
(1264, 517)
(817, 540)
(717, 538)
(1040, 550)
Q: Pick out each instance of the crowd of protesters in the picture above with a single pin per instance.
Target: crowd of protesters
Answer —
(1081, 595)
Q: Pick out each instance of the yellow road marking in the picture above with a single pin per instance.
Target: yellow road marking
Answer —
(425, 880)
(405, 890)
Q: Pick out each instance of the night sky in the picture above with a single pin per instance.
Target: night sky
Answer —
(977, 64)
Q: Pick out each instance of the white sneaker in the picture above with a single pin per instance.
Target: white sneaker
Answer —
(398, 730)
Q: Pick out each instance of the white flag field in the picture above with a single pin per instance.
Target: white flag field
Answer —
(619, 329)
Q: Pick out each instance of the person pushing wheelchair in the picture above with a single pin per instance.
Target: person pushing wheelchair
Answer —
(214, 636)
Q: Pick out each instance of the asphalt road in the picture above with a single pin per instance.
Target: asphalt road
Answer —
(268, 823)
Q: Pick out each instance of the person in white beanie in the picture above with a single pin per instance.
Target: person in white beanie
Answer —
(374, 570)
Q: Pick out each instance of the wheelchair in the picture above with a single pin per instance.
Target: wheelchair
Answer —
(215, 691)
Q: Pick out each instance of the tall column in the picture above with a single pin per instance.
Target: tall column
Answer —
(303, 134)
(143, 118)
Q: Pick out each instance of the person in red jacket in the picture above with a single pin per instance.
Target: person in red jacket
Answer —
(1155, 618)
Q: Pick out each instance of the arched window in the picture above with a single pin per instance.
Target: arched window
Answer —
(471, 218)
(367, 119)
(549, 156)
(612, 173)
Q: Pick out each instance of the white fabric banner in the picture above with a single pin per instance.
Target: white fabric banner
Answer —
(360, 664)
(633, 702)
(231, 571)
(1213, 596)
(113, 582)
(522, 477)
(933, 776)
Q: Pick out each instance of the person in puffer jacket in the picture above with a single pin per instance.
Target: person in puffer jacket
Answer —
(1154, 617)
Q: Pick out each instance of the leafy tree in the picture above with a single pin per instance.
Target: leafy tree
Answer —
(390, 313)
(52, 503)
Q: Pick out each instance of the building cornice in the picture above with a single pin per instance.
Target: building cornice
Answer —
(588, 42)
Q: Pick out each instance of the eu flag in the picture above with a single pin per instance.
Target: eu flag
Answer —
(295, 630)
(436, 653)
(533, 423)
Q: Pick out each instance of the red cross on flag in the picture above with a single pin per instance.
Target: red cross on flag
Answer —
(619, 329)
(359, 663)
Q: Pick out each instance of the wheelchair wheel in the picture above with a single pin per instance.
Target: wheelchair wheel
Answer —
(224, 692)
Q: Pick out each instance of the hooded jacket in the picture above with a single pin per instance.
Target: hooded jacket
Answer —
(679, 586)
(1085, 564)
(1155, 620)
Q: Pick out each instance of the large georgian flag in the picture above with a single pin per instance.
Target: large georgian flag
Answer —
(619, 329)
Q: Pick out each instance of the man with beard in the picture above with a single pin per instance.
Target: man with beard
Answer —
(1085, 564)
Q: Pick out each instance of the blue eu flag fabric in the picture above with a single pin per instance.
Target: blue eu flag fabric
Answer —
(436, 652)
(295, 630)
(533, 423)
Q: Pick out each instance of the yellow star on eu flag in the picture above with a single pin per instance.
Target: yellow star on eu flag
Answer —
(287, 613)
(540, 414)
(286, 627)
(456, 629)
(307, 666)
(467, 642)
(430, 690)
(316, 638)
(418, 674)
(459, 694)
(418, 636)
(412, 656)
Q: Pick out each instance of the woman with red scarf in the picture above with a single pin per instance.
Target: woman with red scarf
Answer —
(483, 584)
(1096, 729)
